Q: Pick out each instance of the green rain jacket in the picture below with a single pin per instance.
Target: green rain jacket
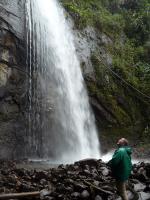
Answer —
(120, 163)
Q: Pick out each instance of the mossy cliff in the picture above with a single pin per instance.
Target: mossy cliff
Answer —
(113, 44)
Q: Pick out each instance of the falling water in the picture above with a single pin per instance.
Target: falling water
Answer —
(60, 122)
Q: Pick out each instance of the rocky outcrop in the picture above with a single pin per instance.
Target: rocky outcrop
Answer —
(12, 76)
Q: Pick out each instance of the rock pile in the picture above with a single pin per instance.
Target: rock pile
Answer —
(86, 179)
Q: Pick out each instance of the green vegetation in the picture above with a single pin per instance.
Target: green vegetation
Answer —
(93, 13)
(127, 25)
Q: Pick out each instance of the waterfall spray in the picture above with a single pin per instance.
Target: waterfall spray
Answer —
(61, 124)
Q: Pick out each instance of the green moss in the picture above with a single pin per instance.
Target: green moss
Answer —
(92, 88)
(92, 12)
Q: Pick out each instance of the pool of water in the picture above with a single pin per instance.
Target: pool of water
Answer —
(43, 164)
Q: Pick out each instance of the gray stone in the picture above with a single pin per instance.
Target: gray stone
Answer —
(96, 183)
(7, 108)
(7, 139)
(12, 16)
(98, 197)
(2, 92)
(144, 195)
(88, 161)
(75, 194)
(88, 42)
(105, 171)
(85, 194)
(4, 74)
(139, 187)
(105, 39)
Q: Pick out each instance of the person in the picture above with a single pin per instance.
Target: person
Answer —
(121, 166)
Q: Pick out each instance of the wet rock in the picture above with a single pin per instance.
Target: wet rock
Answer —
(70, 186)
(25, 187)
(139, 187)
(79, 186)
(7, 108)
(44, 193)
(135, 181)
(75, 194)
(107, 188)
(6, 55)
(142, 177)
(98, 197)
(5, 72)
(85, 172)
(20, 172)
(69, 189)
(90, 162)
(96, 183)
(2, 91)
(41, 175)
(60, 196)
(144, 196)
(49, 198)
(104, 171)
(147, 188)
(43, 182)
(85, 194)
(4, 172)
(60, 188)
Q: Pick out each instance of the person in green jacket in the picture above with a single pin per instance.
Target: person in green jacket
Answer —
(121, 166)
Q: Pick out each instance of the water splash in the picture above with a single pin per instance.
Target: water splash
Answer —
(61, 125)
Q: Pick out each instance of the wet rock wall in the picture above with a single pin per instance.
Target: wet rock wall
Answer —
(12, 76)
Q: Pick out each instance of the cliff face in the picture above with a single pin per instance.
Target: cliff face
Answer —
(119, 109)
(113, 52)
(12, 76)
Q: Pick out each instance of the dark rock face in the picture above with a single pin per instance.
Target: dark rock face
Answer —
(12, 76)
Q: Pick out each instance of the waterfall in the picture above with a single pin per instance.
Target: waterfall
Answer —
(60, 122)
